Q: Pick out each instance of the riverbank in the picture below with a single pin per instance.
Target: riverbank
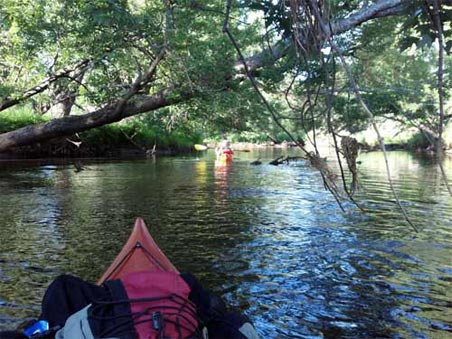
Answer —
(70, 148)
(63, 148)
(131, 137)
(144, 137)
(395, 138)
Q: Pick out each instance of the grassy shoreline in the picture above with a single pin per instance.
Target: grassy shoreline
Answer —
(132, 136)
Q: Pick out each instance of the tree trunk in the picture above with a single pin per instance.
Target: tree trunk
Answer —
(72, 124)
(64, 104)
(65, 96)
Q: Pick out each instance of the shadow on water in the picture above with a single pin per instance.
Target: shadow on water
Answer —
(269, 239)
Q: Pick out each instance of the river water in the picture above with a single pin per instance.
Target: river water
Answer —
(269, 239)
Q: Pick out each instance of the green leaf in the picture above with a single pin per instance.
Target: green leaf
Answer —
(448, 46)
(425, 41)
(408, 42)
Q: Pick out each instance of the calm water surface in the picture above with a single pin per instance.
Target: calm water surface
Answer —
(269, 239)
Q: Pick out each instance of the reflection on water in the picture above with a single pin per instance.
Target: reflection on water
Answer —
(269, 239)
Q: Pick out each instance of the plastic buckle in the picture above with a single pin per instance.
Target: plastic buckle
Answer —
(38, 327)
(157, 321)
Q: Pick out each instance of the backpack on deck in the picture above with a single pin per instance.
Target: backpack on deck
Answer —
(144, 305)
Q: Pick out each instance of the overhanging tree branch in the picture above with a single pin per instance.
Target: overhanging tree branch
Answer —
(143, 104)
(78, 123)
(366, 109)
(43, 85)
(314, 158)
(381, 8)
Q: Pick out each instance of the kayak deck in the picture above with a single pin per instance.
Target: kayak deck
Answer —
(140, 253)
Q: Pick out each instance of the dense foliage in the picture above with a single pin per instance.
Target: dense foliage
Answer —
(120, 58)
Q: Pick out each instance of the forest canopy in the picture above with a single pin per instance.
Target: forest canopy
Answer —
(255, 67)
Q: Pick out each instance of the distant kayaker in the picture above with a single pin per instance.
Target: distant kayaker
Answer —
(224, 151)
(140, 305)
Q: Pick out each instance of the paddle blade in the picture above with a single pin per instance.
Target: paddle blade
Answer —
(201, 147)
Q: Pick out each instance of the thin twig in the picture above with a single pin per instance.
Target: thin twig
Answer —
(439, 143)
(333, 134)
(314, 159)
(366, 109)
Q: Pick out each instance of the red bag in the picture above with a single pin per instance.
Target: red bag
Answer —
(159, 304)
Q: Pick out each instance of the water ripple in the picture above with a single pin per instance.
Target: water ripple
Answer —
(269, 239)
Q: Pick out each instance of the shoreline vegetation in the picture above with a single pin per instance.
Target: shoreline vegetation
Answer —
(135, 138)
(111, 147)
